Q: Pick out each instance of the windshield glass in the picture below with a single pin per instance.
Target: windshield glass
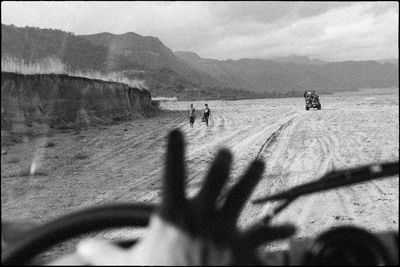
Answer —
(89, 94)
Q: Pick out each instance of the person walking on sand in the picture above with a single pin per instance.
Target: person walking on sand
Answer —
(206, 114)
(191, 112)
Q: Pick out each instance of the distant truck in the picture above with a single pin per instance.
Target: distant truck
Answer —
(312, 100)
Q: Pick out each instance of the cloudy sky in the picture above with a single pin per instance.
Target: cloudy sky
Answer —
(231, 30)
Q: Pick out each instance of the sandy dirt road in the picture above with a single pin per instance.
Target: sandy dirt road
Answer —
(124, 162)
(297, 145)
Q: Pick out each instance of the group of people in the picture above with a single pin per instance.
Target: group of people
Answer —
(192, 114)
(310, 95)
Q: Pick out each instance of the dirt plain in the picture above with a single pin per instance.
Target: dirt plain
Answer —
(124, 162)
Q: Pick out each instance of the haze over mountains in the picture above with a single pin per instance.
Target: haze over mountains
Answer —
(188, 76)
(284, 74)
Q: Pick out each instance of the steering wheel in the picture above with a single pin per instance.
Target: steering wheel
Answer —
(324, 249)
(75, 224)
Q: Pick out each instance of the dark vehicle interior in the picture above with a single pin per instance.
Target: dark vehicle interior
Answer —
(338, 246)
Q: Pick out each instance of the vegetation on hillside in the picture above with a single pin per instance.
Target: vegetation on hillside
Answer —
(55, 66)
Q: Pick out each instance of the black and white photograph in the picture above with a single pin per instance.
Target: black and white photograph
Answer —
(200, 133)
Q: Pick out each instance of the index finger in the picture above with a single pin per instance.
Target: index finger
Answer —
(217, 176)
(241, 191)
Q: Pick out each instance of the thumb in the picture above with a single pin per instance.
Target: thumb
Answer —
(101, 252)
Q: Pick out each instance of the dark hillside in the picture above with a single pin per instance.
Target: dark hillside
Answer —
(150, 52)
(33, 44)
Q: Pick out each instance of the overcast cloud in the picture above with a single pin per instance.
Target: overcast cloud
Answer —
(231, 30)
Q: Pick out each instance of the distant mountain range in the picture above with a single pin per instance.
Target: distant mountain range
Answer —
(299, 60)
(295, 72)
(188, 76)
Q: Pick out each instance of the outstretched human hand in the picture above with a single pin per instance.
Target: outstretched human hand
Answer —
(197, 231)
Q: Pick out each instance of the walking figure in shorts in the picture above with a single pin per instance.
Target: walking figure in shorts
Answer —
(206, 114)
(191, 112)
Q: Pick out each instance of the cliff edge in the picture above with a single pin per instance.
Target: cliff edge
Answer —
(33, 104)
